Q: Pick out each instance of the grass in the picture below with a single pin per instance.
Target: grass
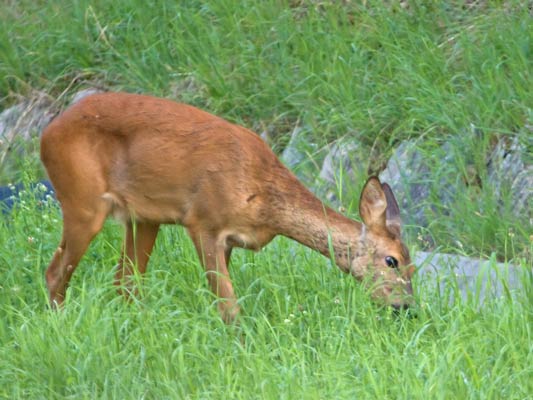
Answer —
(378, 71)
(371, 70)
(308, 331)
(374, 71)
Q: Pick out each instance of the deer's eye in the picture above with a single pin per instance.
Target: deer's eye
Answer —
(391, 262)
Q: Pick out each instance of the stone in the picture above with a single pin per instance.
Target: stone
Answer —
(26, 119)
(84, 93)
(294, 153)
(456, 278)
(344, 166)
(298, 156)
(509, 171)
(408, 174)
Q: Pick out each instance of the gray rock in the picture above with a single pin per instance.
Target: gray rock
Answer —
(188, 89)
(84, 93)
(509, 170)
(294, 153)
(340, 156)
(298, 156)
(26, 119)
(344, 165)
(22, 122)
(409, 176)
(522, 193)
(451, 277)
(423, 181)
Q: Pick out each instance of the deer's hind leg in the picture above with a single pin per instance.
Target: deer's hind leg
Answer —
(80, 225)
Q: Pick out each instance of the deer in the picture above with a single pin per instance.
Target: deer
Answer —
(148, 161)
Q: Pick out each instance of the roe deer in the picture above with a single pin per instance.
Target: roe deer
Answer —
(149, 161)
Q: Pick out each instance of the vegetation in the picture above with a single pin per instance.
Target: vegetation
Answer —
(381, 72)
(378, 71)
(308, 331)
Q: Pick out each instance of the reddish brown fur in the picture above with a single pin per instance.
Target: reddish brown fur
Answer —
(152, 161)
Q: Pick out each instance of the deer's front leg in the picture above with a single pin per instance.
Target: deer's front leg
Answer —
(138, 244)
(214, 255)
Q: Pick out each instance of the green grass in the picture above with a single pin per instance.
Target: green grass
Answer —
(379, 71)
(308, 331)
(376, 72)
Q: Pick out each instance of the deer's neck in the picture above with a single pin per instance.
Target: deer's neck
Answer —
(308, 221)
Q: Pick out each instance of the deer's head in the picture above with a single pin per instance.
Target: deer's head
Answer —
(382, 260)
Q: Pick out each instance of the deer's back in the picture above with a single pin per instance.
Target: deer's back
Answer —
(164, 161)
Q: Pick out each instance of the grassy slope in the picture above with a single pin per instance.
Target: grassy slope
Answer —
(381, 73)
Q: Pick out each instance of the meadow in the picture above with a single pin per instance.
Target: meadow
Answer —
(382, 72)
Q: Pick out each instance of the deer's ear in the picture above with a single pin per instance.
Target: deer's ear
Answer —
(393, 211)
(373, 204)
